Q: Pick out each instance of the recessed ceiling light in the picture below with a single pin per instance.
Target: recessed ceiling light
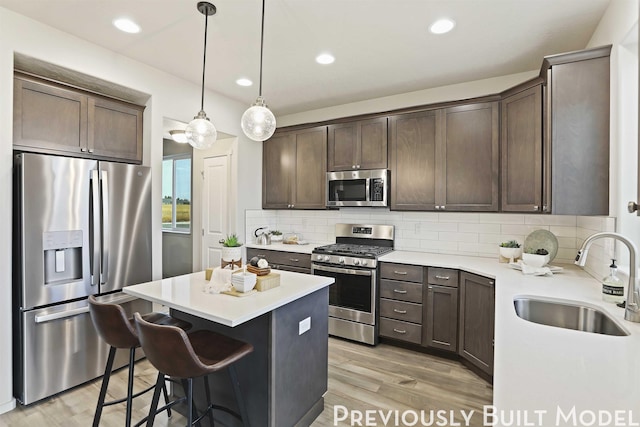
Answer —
(442, 26)
(126, 25)
(325, 59)
(244, 82)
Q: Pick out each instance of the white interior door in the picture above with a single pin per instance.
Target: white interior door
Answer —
(215, 216)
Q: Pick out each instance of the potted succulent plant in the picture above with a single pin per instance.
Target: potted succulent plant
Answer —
(231, 248)
(535, 257)
(276, 235)
(510, 250)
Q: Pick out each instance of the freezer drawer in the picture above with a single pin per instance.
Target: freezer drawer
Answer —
(61, 349)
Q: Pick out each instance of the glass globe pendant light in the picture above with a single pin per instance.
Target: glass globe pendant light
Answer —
(258, 122)
(200, 132)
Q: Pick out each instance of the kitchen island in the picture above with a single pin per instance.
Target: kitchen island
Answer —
(284, 379)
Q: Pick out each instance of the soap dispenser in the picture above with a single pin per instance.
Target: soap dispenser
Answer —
(612, 285)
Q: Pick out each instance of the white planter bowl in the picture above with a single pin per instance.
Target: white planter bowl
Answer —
(535, 260)
(243, 282)
(231, 254)
(510, 253)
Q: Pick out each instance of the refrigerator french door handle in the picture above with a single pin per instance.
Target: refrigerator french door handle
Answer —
(61, 315)
(104, 268)
(95, 249)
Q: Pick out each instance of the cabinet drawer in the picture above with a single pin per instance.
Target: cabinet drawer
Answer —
(404, 291)
(407, 311)
(409, 273)
(401, 330)
(293, 259)
(442, 276)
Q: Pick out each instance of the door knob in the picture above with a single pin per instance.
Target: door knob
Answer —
(632, 207)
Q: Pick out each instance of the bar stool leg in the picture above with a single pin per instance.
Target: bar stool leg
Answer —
(154, 401)
(103, 388)
(165, 394)
(207, 391)
(236, 389)
(132, 357)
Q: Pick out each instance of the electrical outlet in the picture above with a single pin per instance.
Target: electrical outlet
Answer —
(304, 325)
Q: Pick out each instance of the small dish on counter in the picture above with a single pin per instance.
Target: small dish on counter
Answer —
(518, 266)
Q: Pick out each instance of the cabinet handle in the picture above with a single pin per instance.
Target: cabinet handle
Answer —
(395, 310)
(442, 207)
(442, 277)
(437, 207)
(535, 208)
(293, 206)
(402, 273)
(399, 331)
(294, 259)
(90, 150)
(544, 208)
(82, 149)
(491, 282)
(261, 255)
(353, 166)
(399, 291)
(357, 166)
(430, 288)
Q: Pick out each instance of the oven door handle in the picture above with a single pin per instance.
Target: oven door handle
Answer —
(342, 270)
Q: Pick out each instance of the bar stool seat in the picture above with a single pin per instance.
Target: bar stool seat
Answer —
(198, 354)
(118, 331)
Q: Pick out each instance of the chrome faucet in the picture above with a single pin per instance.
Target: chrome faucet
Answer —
(632, 311)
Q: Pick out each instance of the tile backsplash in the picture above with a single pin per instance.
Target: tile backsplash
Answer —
(471, 234)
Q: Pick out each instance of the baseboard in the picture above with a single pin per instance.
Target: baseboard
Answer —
(8, 406)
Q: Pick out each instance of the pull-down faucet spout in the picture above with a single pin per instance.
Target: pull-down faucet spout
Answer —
(632, 311)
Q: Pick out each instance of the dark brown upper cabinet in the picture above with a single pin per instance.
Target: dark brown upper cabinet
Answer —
(521, 150)
(470, 158)
(576, 132)
(53, 118)
(445, 159)
(412, 160)
(294, 168)
(358, 145)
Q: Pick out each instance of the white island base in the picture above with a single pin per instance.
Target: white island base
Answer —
(283, 381)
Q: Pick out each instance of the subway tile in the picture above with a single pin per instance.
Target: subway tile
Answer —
(594, 223)
(478, 228)
(437, 245)
(567, 242)
(407, 244)
(458, 217)
(458, 237)
(521, 229)
(420, 216)
(436, 226)
(502, 218)
(561, 231)
(561, 220)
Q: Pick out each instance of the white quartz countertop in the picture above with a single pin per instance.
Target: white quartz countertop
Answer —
(553, 376)
(185, 293)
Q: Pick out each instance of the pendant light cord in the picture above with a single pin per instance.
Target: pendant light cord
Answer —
(261, 49)
(204, 59)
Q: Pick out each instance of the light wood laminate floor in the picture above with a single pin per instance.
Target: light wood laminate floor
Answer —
(389, 380)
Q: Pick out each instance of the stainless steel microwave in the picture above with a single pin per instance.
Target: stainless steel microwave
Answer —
(358, 188)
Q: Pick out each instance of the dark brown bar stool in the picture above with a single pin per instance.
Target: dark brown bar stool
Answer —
(118, 331)
(185, 357)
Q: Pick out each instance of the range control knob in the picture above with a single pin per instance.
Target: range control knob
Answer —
(364, 262)
(326, 258)
(356, 262)
(341, 260)
(319, 257)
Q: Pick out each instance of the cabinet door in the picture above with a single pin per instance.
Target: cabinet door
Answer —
(477, 316)
(412, 160)
(309, 180)
(48, 117)
(521, 148)
(440, 325)
(470, 158)
(342, 145)
(115, 129)
(579, 97)
(278, 157)
(372, 149)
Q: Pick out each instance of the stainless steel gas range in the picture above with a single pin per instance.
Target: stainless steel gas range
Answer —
(353, 262)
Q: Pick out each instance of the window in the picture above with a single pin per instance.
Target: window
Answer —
(176, 193)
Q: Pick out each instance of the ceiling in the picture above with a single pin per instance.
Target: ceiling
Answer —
(381, 47)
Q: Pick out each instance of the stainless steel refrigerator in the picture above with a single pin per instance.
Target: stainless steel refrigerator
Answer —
(80, 227)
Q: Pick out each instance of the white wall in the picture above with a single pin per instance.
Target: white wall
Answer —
(619, 27)
(170, 97)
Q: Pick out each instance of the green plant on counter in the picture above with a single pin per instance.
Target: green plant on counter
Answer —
(510, 244)
(276, 232)
(231, 241)
(540, 251)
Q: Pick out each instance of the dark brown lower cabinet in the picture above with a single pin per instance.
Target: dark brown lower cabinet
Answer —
(477, 318)
(441, 321)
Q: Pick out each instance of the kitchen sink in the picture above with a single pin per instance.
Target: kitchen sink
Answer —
(567, 314)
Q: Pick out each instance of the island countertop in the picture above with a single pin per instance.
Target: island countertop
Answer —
(185, 293)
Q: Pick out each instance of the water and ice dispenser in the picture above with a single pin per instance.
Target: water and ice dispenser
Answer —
(62, 256)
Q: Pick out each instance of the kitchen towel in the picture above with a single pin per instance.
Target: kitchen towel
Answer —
(220, 281)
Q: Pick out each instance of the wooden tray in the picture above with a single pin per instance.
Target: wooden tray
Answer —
(235, 293)
(270, 281)
(258, 271)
